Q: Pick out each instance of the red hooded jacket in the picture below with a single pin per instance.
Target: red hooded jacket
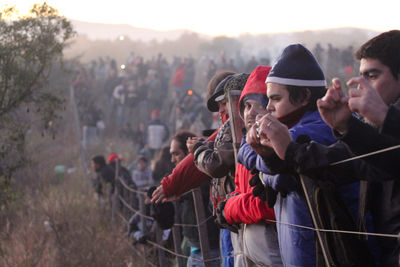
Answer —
(243, 207)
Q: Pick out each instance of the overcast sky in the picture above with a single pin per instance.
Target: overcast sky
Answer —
(231, 17)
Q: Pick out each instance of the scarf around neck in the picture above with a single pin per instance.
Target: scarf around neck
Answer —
(293, 117)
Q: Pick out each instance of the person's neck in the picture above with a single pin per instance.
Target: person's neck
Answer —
(293, 117)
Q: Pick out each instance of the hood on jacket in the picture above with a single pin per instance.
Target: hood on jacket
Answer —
(255, 85)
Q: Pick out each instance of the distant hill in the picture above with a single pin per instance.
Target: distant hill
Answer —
(99, 39)
(102, 31)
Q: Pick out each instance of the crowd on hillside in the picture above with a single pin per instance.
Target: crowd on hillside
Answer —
(268, 144)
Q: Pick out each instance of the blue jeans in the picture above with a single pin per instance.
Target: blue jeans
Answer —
(196, 259)
(226, 248)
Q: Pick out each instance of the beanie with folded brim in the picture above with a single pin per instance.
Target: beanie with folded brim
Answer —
(298, 67)
(218, 95)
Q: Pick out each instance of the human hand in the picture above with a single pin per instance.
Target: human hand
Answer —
(259, 144)
(366, 101)
(333, 107)
(258, 187)
(275, 134)
(159, 196)
(221, 221)
(191, 142)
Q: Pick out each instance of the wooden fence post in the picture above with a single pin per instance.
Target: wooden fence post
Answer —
(142, 209)
(202, 226)
(176, 234)
(159, 240)
(115, 202)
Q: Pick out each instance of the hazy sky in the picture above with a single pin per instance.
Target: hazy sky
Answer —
(231, 17)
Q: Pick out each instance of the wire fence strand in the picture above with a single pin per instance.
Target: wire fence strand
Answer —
(366, 155)
(334, 231)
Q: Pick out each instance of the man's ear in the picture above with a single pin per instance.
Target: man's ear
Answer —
(307, 98)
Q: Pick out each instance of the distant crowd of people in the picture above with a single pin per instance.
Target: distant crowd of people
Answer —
(119, 98)
(273, 150)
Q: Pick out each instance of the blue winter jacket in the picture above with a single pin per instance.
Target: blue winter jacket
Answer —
(297, 245)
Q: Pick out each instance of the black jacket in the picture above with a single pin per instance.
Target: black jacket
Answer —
(105, 175)
(313, 159)
(188, 216)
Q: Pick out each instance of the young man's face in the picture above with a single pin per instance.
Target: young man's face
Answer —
(177, 154)
(279, 104)
(222, 107)
(251, 109)
(381, 79)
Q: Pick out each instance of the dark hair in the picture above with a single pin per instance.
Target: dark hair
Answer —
(150, 191)
(298, 94)
(100, 160)
(181, 138)
(216, 79)
(163, 165)
(386, 48)
(163, 154)
(142, 158)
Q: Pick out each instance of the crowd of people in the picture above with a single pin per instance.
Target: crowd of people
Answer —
(286, 168)
(119, 97)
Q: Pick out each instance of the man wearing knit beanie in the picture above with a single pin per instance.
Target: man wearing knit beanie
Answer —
(294, 84)
(376, 99)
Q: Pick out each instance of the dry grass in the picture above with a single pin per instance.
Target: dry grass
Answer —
(59, 222)
(63, 226)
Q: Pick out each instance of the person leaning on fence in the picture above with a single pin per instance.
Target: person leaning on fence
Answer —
(377, 101)
(114, 161)
(162, 213)
(104, 182)
(294, 84)
(260, 241)
(217, 159)
(186, 175)
(179, 151)
(124, 182)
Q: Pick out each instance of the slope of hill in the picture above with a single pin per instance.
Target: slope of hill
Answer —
(102, 31)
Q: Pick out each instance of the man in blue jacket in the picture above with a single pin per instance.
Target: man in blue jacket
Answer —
(294, 84)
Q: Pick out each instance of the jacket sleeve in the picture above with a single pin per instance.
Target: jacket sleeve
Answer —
(246, 155)
(315, 160)
(242, 206)
(215, 162)
(246, 208)
(363, 138)
(217, 158)
(185, 176)
(391, 125)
